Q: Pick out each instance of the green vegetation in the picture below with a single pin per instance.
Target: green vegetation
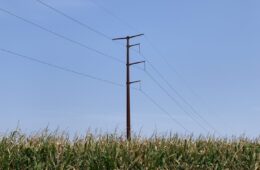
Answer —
(56, 151)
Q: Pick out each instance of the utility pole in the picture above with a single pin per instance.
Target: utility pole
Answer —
(128, 82)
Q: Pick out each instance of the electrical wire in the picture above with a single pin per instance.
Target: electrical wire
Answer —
(163, 110)
(61, 36)
(175, 101)
(112, 14)
(84, 25)
(90, 77)
(171, 67)
(182, 98)
(73, 19)
(61, 67)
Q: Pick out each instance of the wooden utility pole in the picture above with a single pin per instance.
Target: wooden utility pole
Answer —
(128, 82)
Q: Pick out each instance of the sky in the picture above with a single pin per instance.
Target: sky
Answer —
(207, 51)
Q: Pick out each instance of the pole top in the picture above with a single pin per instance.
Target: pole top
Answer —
(127, 37)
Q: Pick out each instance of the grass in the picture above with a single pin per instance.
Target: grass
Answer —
(48, 150)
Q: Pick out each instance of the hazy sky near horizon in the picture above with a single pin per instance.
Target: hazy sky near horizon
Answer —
(213, 45)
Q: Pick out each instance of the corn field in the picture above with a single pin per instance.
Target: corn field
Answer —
(48, 150)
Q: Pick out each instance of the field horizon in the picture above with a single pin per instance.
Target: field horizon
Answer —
(57, 150)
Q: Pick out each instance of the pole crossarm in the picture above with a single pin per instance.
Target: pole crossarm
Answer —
(123, 38)
(134, 63)
(138, 35)
(127, 37)
(135, 45)
(132, 82)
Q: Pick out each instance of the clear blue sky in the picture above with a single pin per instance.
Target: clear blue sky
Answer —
(214, 46)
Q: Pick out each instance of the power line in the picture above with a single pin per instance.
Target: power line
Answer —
(155, 49)
(178, 94)
(61, 36)
(163, 110)
(90, 77)
(61, 67)
(113, 15)
(82, 24)
(73, 19)
(174, 89)
(181, 97)
(175, 101)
